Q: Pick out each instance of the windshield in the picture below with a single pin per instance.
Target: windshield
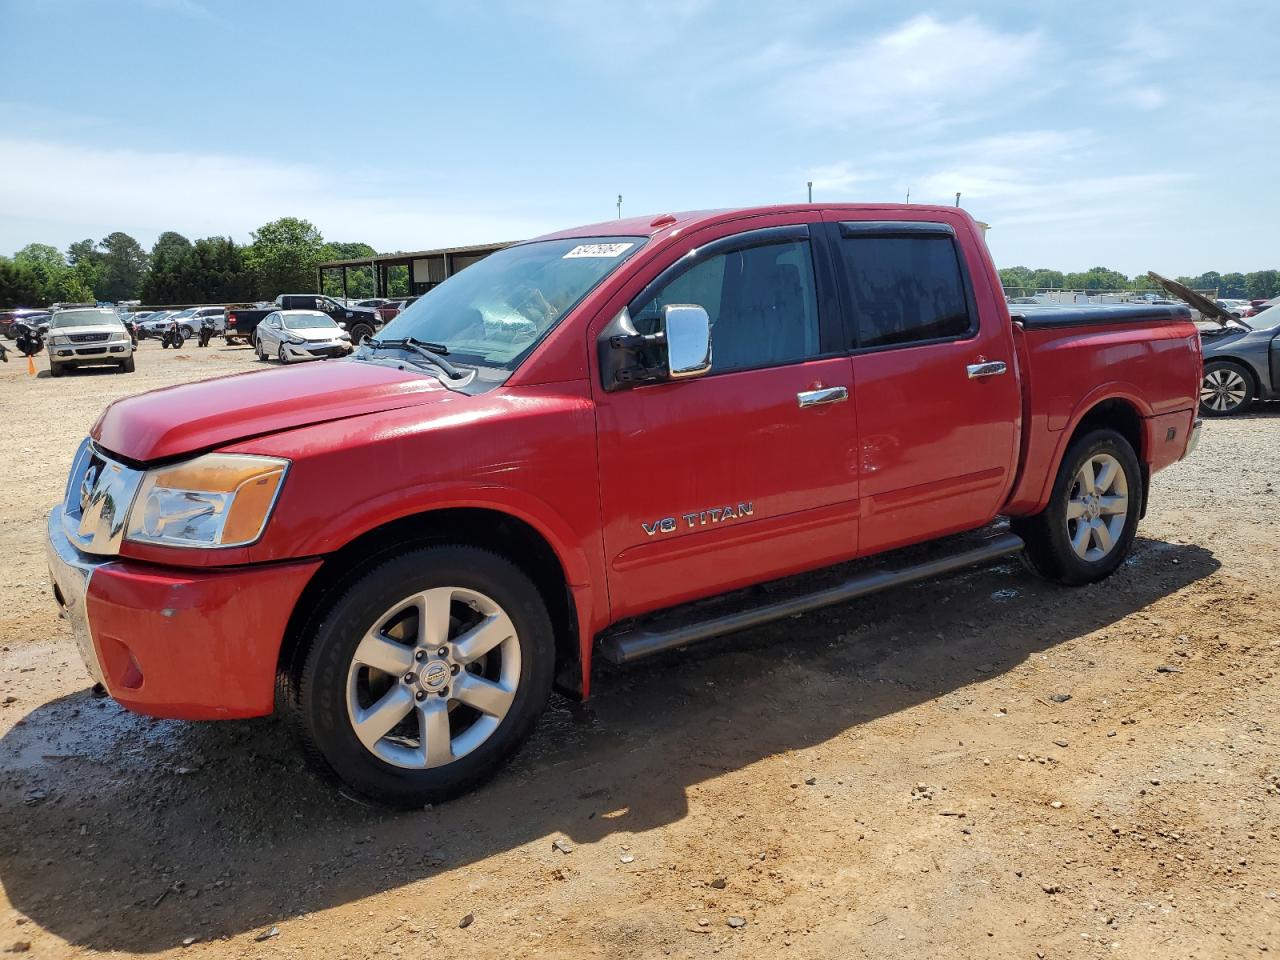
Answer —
(307, 321)
(85, 318)
(495, 311)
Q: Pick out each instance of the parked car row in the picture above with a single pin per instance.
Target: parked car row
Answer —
(33, 318)
(390, 309)
(359, 322)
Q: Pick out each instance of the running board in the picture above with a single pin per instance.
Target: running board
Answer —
(644, 641)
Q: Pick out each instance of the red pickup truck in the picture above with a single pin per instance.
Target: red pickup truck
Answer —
(580, 446)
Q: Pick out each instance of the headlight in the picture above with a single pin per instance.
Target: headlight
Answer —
(295, 341)
(218, 500)
(60, 341)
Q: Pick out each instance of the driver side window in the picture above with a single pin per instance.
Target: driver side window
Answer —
(761, 301)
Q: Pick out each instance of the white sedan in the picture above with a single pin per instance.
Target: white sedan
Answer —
(290, 335)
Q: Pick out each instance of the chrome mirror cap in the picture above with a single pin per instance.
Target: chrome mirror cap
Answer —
(688, 336)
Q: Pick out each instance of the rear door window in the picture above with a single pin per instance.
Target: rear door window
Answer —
(902, 289)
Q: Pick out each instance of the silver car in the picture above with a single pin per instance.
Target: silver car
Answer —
(1241, 366)
(88, 337)
(290, 335)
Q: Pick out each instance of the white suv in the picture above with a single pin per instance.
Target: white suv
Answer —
(80, 338)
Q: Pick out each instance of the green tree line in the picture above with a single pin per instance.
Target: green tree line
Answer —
(281, 258)
(1023, 281)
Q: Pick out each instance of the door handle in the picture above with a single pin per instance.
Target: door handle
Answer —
(815, 398)
(989, 368)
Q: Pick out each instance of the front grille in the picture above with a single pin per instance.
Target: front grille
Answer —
(96, 505)
(88, 337)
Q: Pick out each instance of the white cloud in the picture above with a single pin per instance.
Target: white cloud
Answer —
(922, 71)
(80, 191)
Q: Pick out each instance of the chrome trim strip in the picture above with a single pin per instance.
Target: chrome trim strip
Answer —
(814, 398)
(71, 574)
(1193, 441)
(96, 504)
(988, 368)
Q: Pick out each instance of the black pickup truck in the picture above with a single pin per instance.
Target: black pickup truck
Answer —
(360, 322)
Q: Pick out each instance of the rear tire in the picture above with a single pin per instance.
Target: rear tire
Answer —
(1226, 389)
(1083, 535)
(359, 332)
(257, 348)
(492, 608)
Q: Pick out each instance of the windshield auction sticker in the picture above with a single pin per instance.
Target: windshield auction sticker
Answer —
(598, 250)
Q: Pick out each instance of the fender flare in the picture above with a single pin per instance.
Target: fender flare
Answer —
(402, 503)
(1114, 390)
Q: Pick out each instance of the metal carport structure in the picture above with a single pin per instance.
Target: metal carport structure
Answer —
(426, 267)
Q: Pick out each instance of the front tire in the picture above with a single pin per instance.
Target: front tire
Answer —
(359, 332)
(425, 676)
(281, 355)
(56, 369)
(1226, 389)
(128, 366)
(1088, 527)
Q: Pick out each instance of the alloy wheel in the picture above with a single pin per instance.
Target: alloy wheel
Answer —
(1223, 389)
(1097, 507)
(433, 678)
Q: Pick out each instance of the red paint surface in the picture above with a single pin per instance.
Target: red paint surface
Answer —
(919, 450)
(205, 643)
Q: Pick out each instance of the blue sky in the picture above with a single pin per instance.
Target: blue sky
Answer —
(1133, 135)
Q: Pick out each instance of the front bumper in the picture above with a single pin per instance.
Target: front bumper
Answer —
(168, 642)
(317, 351)
(91, 352)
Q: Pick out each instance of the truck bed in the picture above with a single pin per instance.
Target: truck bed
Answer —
(1147, 359)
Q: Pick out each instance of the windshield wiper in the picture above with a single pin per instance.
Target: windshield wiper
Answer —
(435, 352)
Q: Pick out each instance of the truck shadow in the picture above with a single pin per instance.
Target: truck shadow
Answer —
(121, 833)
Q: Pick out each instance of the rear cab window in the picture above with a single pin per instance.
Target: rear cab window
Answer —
(903, 284)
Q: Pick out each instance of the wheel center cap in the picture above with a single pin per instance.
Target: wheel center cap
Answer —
(434, 675)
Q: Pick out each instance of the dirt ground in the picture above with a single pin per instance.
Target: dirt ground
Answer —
(985, 766)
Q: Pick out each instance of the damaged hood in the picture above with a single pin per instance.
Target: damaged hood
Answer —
(195, 417)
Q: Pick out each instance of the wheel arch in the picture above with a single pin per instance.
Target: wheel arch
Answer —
(501, 532)
(1121, 412)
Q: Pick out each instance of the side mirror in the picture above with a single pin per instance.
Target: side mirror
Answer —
(680, 349)
(688, 339)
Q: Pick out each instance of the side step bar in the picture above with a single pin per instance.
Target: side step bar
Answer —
(644, 641)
